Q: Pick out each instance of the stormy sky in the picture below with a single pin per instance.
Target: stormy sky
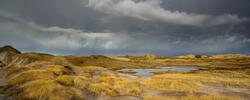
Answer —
(125, 27)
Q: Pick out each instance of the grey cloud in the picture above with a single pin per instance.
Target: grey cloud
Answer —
(59, 38)
(56, 37)
(151, 10)
(29, 34)
(122, 27)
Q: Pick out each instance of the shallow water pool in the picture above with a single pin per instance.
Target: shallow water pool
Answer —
(152, 71)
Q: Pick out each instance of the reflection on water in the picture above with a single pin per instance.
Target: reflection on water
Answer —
(152, 71)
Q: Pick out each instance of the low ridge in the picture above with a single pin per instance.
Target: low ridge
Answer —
(9, 48)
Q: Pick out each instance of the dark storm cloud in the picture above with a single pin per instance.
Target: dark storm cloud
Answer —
(168, 27)
(209, 6)
(151, 10)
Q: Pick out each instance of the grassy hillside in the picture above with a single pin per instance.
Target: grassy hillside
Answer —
(36, 76)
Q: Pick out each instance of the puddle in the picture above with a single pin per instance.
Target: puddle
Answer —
(151, 71)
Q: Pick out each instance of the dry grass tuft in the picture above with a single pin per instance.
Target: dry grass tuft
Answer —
(60, 60)
(156, 97)
(171, 85)
(101, 88)
(15, 69)
(132, 88)
(59, 70)
(67, 93)
(89, 69)
(39, 89)
(103, 61)
(29, 76)
(229, 56)
(219, 77)
(76, 81)
(50, 90)
(107, 79)
(38, 64)
(124, 87)
(210, 97)
(191, 97)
